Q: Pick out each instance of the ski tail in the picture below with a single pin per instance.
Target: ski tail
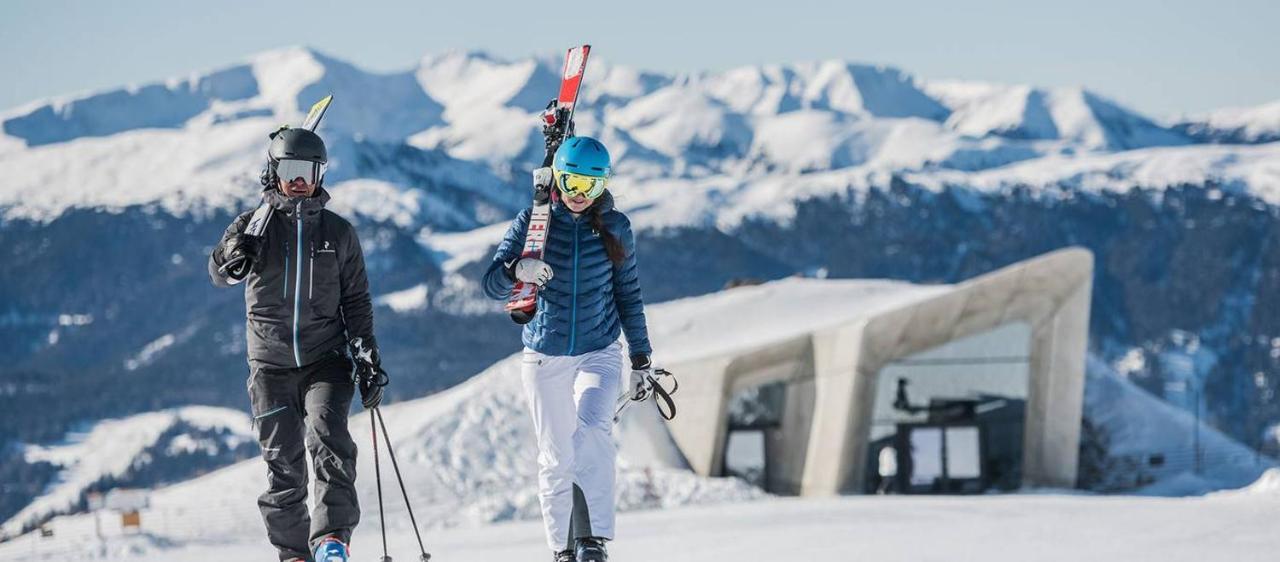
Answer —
(316, 113)
(557, 125)
(258, 222)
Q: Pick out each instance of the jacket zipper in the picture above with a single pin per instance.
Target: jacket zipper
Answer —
(573, 316)
(285, 293)
(311, 275)
(297, 298)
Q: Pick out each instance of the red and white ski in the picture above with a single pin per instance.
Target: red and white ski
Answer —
(557, 125)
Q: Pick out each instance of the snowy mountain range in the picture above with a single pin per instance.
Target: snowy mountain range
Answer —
(465, 120)
(110, 202)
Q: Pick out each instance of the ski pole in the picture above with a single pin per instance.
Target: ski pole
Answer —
(649, 386)
(391, 452)
(377, 476)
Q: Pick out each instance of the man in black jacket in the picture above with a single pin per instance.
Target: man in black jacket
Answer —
(309, 330)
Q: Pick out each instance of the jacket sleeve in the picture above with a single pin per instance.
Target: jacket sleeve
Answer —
(356, 305)
(626, 293)
(497, 279)
(215, 259)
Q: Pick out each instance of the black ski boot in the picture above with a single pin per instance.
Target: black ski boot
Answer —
(565, 555)
(591, 549)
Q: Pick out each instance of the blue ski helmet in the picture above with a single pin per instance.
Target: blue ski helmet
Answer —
(584, 156)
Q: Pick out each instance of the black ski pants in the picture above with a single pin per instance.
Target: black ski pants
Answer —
(297, 411)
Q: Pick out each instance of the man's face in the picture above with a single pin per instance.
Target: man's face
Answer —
(298, 178)
(297, 188)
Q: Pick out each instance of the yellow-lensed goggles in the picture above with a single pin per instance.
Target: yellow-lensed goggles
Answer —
(572, 184)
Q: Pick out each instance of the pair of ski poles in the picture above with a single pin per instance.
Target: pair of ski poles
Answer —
(649, 386)
(375, 420)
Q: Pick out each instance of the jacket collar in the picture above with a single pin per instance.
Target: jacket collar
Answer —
(311, 206)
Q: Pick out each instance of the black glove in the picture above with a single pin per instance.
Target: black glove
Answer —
(239, 252)
(640, 362)
(370, 378)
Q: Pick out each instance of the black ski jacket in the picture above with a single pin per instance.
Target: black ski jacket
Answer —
(308, 293)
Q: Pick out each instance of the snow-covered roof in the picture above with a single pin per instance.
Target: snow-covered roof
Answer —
(751, 316)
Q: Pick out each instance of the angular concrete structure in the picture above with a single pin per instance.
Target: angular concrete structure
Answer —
(831, 372)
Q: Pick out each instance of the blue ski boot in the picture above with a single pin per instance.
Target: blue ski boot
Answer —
(331, 549)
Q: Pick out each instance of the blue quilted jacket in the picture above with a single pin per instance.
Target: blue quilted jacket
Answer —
(589, 301)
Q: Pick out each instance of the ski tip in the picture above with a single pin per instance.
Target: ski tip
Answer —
(316, 113)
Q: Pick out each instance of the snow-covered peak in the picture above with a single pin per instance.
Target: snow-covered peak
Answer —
(376, 106)
(831, 85)
(1249, 125)
(282, 73)
(460, 80)
(1078, 116)
(679, 120)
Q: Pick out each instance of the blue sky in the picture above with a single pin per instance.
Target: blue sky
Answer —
(1161, 58)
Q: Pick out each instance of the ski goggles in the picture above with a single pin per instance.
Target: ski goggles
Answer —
(572, 184)
(310, 172)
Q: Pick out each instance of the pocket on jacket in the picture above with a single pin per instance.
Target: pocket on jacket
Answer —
(324, 289)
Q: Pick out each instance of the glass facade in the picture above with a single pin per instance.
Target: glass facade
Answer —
(950, 419)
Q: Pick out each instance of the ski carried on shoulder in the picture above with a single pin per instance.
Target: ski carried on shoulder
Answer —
(238, 269)
(557, 125)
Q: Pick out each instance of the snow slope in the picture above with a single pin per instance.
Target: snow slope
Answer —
(1140, 425)
(110, 448)
(468, 457)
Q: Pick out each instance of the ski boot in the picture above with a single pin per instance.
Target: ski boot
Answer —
(566, 555)
(330, 549)
(591, 549)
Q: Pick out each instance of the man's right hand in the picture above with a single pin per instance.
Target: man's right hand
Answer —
(370, 377)
(239, 249)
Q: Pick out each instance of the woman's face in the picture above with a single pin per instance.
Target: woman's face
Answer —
(577, 203)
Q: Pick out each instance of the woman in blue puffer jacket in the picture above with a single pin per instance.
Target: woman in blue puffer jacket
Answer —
(589, 294)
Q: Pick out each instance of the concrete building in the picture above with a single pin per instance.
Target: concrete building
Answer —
(819, 403)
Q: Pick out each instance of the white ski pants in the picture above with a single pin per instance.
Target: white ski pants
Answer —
(572, 401)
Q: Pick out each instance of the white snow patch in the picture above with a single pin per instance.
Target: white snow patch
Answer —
(149, 352)
(405, 301)
(379, 201)
(75, 319)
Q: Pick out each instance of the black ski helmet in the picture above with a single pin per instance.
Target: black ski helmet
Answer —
(297, 144)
